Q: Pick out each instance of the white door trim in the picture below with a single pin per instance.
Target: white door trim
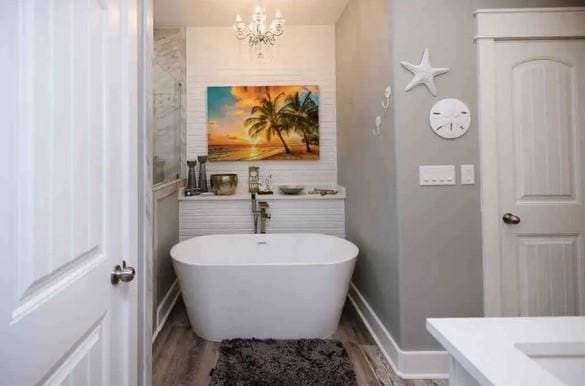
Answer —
(145, 214)
(492, 26)
(530, 23)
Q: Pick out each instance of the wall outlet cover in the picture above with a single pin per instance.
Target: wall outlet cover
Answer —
(436, 175)
(467, 174)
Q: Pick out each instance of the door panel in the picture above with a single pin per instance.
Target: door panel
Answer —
(62, 202)
(548, 275)
(84, 365)
(541, 128)
(70, 185)
(543, 90)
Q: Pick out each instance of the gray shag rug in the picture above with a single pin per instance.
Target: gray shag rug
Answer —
(315, 362)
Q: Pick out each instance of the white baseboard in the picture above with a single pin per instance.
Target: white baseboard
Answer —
(406, 364)
(165, 307)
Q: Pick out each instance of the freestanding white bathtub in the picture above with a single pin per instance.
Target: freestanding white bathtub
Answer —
(281, 286)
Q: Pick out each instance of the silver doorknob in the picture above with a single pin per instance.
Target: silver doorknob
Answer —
(511, 219)
(122, 273)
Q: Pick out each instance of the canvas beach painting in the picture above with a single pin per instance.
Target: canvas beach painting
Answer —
(250, 123)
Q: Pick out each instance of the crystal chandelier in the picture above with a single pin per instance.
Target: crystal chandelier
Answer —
(257, 32)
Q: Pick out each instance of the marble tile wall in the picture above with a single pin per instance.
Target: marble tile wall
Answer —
(169, 73)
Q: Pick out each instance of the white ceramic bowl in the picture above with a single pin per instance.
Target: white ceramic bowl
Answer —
(291, 189)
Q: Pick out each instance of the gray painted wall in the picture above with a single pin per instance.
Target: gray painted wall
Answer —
(366, 164)
(430, 235)
(440, 227)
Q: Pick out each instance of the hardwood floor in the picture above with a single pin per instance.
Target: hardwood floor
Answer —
(180, 357)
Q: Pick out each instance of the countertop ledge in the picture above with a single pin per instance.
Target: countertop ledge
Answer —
(269, 197)
(493, 350)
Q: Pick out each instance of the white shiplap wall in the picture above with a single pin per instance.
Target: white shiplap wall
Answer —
(304, 55)
(210, 217)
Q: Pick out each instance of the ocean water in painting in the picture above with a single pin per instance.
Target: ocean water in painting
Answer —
(250, 123)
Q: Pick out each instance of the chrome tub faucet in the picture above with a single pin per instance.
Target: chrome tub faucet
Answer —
(260, 211)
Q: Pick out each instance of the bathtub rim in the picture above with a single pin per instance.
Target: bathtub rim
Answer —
(353, 255)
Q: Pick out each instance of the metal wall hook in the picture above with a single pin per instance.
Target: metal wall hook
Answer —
(386, 102)
(378, 130)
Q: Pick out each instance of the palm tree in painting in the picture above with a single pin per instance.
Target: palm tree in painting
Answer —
(302, 115)
(268, 119)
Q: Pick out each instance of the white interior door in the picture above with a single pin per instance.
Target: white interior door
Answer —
(540, 123)
(68, 192)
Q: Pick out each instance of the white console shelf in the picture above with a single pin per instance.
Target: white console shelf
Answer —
(302, 213)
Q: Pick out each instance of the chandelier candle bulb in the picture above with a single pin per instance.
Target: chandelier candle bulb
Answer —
(258, 32)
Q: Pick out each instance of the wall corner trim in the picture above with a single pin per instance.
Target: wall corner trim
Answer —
(406, 364)
(165, 307)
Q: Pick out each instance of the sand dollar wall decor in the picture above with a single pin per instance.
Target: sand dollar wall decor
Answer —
(450, 118)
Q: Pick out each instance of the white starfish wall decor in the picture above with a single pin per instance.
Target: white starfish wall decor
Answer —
(424, 73)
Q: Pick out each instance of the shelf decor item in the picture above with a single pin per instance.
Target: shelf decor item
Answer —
(265, 186)
(253, 123)
(424, 73)
(202, 183)
(253, 179)
(224, 184)
(291, 189)
(192, 189)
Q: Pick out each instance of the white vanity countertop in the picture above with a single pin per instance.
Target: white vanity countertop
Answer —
(269, 197)
(493, 350)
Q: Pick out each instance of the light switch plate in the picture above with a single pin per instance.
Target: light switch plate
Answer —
(467, 174)
(436, 175)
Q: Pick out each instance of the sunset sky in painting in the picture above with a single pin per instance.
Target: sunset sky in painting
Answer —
(229, 107)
